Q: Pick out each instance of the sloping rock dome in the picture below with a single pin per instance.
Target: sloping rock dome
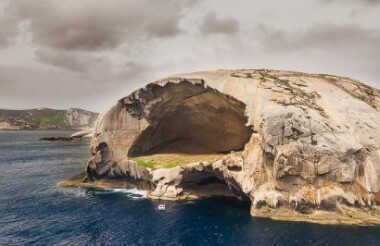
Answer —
(291, 143)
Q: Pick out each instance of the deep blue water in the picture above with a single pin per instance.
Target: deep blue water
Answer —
(33, 210)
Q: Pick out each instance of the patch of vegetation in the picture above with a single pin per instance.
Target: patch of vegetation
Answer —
(151, 163)
(242, 75)
(55, 118)
(145, 163)
(297, 96)
(362, 92)
(173, 159)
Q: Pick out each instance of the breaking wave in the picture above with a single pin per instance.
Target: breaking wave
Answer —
(132, 193)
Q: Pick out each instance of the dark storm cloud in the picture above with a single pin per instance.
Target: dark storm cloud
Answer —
(211, 23)
(98, 25)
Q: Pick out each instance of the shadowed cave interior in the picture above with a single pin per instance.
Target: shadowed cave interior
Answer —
(191, 118)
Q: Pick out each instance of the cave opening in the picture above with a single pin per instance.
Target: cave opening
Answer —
(213, 186)
(244, 205)
(188, 118)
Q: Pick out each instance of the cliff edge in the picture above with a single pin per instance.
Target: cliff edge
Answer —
(296, 146)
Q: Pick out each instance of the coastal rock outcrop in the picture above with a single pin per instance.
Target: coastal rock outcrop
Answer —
(297, 146)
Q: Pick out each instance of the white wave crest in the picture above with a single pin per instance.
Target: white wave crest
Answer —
(73, 192)
(132, 193)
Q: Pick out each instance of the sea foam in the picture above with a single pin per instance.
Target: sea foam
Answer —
(132, 193)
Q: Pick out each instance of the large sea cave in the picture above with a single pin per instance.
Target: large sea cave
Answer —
(189, 118)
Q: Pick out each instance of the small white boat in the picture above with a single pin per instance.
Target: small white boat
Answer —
(161, 207)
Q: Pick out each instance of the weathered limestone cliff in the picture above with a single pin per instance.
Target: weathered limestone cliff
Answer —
(297, 146)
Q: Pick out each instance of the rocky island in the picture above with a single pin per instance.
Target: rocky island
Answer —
(296, 146)
(46, 119)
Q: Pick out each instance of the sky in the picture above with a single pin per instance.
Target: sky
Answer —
(89, 53)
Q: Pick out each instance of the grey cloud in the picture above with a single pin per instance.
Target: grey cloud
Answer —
(358, 2)
(213, 24)
(98, 25)
(8, 27)
(26, 87)
(91, 66)
(134, 69)
(166, 26)
(190, 2)
(76, 61)
(351, 50)
(70, 60)
(33, 87)
(7, 31)
(320, 36)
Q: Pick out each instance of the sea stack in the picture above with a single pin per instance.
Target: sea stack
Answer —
(296, 146)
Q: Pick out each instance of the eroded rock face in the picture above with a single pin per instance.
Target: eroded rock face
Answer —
(182, 116)
(309, 142)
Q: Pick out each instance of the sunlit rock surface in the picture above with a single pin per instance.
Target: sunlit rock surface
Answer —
(297, 146)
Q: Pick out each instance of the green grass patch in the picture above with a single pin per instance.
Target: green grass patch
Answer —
(172, 160)
(172, 164)
(145, 163)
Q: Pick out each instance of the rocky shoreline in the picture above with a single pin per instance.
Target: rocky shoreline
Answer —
(346, 215)
(341, 215)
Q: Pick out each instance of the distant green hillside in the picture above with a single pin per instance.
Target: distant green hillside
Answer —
(45, 118)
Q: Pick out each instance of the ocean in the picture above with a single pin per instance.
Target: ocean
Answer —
(35, 211)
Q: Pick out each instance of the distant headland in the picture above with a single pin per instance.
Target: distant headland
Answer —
(46, 119)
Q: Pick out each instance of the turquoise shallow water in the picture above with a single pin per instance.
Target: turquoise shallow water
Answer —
(34, 211)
